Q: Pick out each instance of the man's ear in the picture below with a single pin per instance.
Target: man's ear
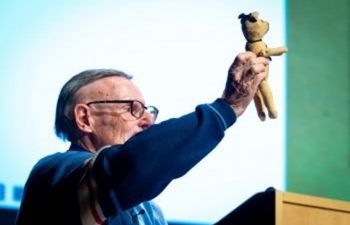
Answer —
(83, 118)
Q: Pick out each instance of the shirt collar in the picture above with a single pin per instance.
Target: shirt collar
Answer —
(77, 147)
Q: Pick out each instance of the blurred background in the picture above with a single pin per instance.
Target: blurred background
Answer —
(179, 53)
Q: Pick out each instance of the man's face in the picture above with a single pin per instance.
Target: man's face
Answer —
(113, 123)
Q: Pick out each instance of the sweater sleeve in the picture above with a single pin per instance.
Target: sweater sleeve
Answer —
(139, 170)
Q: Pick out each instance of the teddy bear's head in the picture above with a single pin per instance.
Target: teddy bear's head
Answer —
(253, 27)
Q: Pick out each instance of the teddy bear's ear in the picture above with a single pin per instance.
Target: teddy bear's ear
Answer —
(242, 15)
(243, 18)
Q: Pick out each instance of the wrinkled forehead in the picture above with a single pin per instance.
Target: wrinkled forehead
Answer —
(109, 88)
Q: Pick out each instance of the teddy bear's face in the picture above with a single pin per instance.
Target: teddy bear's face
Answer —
(253, 27)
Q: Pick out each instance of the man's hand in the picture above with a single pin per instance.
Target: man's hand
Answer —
(244, 77)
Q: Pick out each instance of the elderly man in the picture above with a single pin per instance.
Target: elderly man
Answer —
(119, 160)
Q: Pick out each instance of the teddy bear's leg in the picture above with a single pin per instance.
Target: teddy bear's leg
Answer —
(268, 99)
(259, 105)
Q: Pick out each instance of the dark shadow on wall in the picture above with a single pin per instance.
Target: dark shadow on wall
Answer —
(8, 216)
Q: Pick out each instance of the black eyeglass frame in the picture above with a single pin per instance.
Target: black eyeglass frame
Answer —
(151, 109)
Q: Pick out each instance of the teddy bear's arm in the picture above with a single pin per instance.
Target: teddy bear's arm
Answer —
(275, 51)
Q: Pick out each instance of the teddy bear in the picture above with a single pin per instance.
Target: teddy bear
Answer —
(254, 28)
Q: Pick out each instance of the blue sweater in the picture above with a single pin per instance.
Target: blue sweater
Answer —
(115, 185)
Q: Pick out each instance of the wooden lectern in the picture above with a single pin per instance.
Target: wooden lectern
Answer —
(282, 208)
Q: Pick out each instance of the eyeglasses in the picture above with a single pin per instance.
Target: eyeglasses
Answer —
(137, 108)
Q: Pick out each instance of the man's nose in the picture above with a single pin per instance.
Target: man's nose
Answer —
(146, 120)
